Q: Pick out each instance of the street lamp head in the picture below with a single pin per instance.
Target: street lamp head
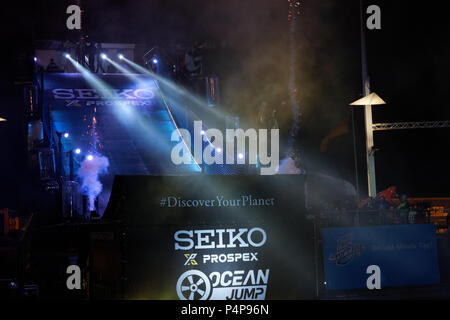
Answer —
(372, 99)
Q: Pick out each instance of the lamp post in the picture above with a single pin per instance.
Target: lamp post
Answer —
(371, 99)
(368, 101)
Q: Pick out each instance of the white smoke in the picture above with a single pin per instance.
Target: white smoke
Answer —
(89, 173)
(287, 166)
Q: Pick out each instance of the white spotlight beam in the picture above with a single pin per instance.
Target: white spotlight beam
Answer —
(125, 71)
(186, 95)
(124, 114)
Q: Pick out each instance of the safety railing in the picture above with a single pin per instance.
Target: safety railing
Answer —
(362, 217)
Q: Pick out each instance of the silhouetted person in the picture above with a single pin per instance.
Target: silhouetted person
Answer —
(403, 209)
(192, 63)
(91, 51)
(382, 204)
(367, 212)
(98, 59)
(81, 52)
(383, 207)
(53, 67)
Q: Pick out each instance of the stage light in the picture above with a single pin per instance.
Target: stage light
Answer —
(35, 59)
(219, 150)
(155, 61)
(90, 157)
(66, 135)
(202, 132)
(103, 56)
(67, 56)
(78, 151)
(121, 56)
(241, 156)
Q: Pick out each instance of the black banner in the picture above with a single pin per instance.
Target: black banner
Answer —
(215, 237)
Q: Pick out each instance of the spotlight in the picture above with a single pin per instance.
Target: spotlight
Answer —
(155, 61)
(121, 56)
(67, 56)
(90, 157)
(103, 56)
(35, 59)
(66, 135)
(241, 156)
(78, 151)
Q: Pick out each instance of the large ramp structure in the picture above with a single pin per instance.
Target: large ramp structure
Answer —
(122, 117)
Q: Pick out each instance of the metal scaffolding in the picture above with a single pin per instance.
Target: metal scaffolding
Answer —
(411, 125)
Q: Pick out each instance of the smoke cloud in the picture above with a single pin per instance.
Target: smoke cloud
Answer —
(89, 173)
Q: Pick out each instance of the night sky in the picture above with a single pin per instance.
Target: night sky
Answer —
(409, 64)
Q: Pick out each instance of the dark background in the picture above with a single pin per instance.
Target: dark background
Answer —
(408, 64)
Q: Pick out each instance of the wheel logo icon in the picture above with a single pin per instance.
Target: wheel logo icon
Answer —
(193, 285)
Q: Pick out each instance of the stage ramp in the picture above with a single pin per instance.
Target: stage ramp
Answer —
(124, 118)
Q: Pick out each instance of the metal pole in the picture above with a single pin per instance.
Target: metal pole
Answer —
(60, 156)
(367, 112)
(316, 254)
(355, 156)
(370, 153)
(71, 164)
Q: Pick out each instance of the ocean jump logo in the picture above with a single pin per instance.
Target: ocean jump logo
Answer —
(345, 251)
(227, 285)
(209, 147)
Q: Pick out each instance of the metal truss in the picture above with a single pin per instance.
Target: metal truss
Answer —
(411, 125)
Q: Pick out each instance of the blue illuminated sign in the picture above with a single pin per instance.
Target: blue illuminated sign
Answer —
(406, 255)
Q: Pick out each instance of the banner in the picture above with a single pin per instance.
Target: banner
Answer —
(406, 255)
(215, 237)
(69, 91)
